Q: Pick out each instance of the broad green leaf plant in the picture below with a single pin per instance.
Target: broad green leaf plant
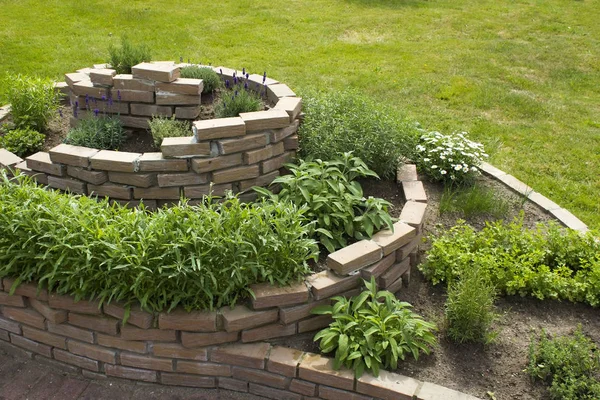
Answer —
(373, 330)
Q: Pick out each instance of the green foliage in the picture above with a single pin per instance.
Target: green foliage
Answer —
(162, 127)
(123, 58)
(334, 199)
(470, 307)
(237, 100)
(209, 77)
(33, 101)
(474, 200)
(369, 334)
(547, 262)
(339, 122)
(22, 142)
(570, 365)
(103, 132)
(200, 257)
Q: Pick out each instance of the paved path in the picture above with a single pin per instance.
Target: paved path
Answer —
(22, 377)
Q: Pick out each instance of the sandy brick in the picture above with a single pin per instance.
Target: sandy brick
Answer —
(260, 80)
(272, 393)
(74, 77)
(138, 96)
(24, 316)
(414, 191)
(318, 369)
(117, 161)
(183, 179)
(211, 164)
(431, 391)
(413, 213)
(569, 220)
(137, 316)
(197, 192)
(72, 155)
(329, 393)
(267, 295)
(13, 301)
(303, 387)
(133, 179)
(355, 256)
(314, 323)
(146, 362)
(326, 284)
(30, 345)
(268, 332)
(393, 273)
(117, 343)
(187, 112)
(8, 159)
(10, 326)
(379, 267)
(249, 142)
(192, 339)
(71, 332)
(155, 162)
(184, 147)
(138, 334)
(241, 317)
(182, 86)
(251, 355)
(175, 350)
(277, 135)
(102, 76)
(41, 162)
(406, 173)
(110, 190)
(277, 162)
(255, 156)
(150, 110)
(233, 384)
(103, 106)
(236, 174)
(219, 128)
(45, 337)
(203, 368)
(387, 386)
(275, 92)
(78, 361)
(404, 251)
(291, 105)
(67, 184)
(68, 303)
(195, 321)
(38, 177)
(128, 82)
(54, 316)
(156, 72)
(291, 143)
(131, 373)
(92, 351)
(134, 122)
(93, 177)
(262, 377)
(87, 88)
(396, 286)
(158, 193)
(262, 180)
(96, 323)
(188, 380)
(284, 361)
(288, 315)
(176, 99)
(261, 120)
(391, 241)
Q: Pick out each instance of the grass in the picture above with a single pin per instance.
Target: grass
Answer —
(473, 200)
(519, 75)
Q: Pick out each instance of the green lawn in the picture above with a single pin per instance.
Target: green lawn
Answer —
(521, 76)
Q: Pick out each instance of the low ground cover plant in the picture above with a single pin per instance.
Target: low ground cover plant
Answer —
(451, 158)
(199, 257)
(163, 127)
(22, 142)
(373, 330)
(210, 78)
(127, 55)
(99, 131)
(569, 365)
(548, 262)
(338, 122)
(334, 199)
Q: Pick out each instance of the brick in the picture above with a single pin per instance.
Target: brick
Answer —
(133, 179)
(78, 361)
(216, 163)
(263, 180)
(96, 323)
(8, 159)
(134, 122)
(41, 162)
(413, 213)
(354, 256)
(30, 345)
(111, 190)
(265, 378)
(187, 112)
(226, 73)
(275, 92)
(267, 295)
(431, 391)
(190, 339)
(118, 161)
(314, 323)
(538, 199)
(254, 156)
(284, 361)
(277, 135)
(219, 128)
(77, 156)
(128, 82)
(38, 177)
(92, 351)
(272, 393)
(261, 80)
(10, 326)
(69, 303)
(75, 77)
(569, 220)
(146, 362)
(71, 332)
(241, 317)
(117, 343)
(93, 177)
(159, 335)
(249, 142)
(13, 301)
(188, 380)
(138, 96)
(293, 314)
(103, 76)
(87, 88)
(396, 286)
(387, 386)
(25, 316)
(182, 86)
(197, 192)
(329, 393)
(130, 373)
(414, 191)
(150, 110)
(261, 120)
(67, 184)
(137, 316)
(236, 174)
(176, 99)
(404, 251)
(203, 368)
(233, 384)
(251, 355)
(175, 350)
(156, 72)
(378, 268)
(94, 375)
(45, 337)
(155, 162)
(184, 179)
(391, 241)
(276, 163)
(184, 147)
(291, 105)
(515, 184)
(103, 106)
(172, 193)
(303, 387)
(326, 284)
(393, 273)
(195, 321)
(318, 369)
(291, 143)
(268, 332)
(407, 173)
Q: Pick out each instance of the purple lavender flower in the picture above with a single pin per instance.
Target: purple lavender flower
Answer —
(119, 95)
(247, 76)
(232, 98)
(221, 71)
(110, 101)
(87, 100)
(96, 111)
(103, 98)
(243, 71)
(60, 112)
(234, 79)
(246, 85)
(227, 83)
(264, 76)
(236, 93)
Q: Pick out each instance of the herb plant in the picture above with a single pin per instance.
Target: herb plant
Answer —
(103, 132)
(238, 98)
(127, 55)
(570, 365)
(334, 199)
(199, 257)
(163, 127)
(372, 331)
(22, 142)
(209, 77)
(473, 200)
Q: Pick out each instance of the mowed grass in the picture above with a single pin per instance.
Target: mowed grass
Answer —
(523, 76)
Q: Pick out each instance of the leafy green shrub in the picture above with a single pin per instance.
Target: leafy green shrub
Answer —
(22, 142)
(209, 77)
(334, 199)
(103, 132)
(162, 127)
(123, 58)
(367, 333)
(237, 100)
(199, 257)
(470, 307)
(473, 200)
(569, 364)
(449, 158)
(338, 122)
(33, 101)
(547, 262)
